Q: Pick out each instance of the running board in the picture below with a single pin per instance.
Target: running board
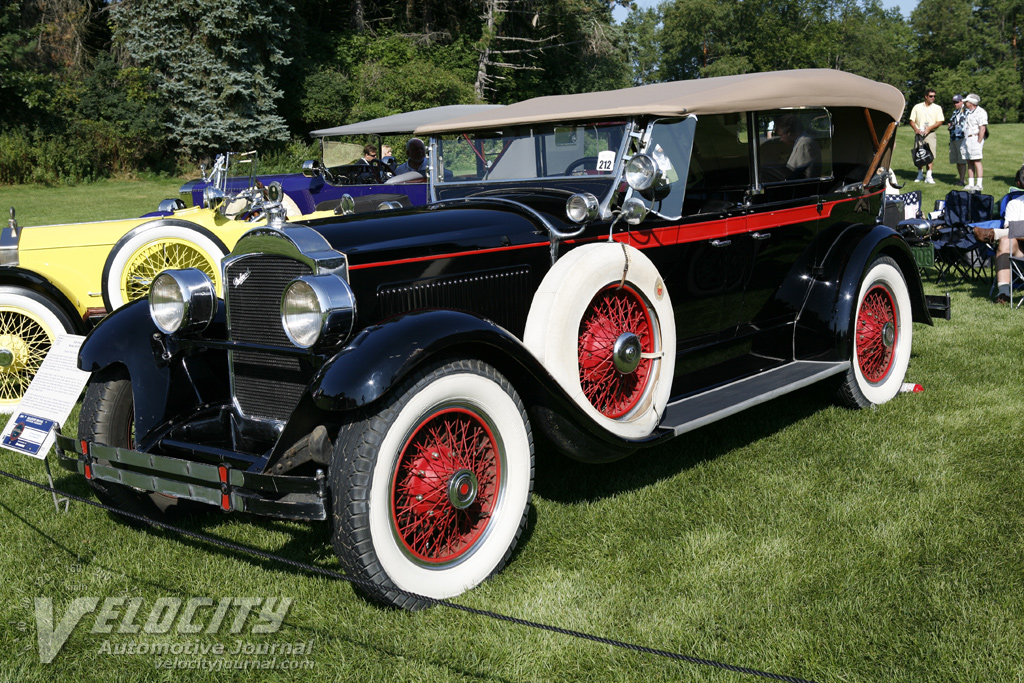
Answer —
(710, 406)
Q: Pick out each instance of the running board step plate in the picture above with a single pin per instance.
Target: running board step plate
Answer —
(710, 406)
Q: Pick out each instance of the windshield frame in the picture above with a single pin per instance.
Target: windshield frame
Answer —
(630, 136)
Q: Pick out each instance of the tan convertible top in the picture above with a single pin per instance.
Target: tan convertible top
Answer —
(725, 94)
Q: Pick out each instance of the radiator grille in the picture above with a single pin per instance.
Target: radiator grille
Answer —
(502, 296)
(266, 385)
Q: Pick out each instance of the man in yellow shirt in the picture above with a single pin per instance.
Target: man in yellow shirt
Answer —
(925, 118)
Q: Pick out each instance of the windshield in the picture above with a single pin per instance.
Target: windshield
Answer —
(531, 152)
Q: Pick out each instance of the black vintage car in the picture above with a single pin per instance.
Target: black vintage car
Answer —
(614, 269)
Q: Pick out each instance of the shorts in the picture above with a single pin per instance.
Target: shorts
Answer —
(958, 151)
(973, 147)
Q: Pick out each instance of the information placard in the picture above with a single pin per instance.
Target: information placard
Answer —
(50, 397)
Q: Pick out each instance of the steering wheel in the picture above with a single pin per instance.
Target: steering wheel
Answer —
(583, 161)
(380, 169)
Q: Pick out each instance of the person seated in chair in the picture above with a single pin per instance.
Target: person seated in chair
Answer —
(1009, 240)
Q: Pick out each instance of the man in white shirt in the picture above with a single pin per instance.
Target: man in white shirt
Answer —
(925, 117)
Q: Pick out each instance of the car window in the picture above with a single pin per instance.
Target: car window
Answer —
(794, 145)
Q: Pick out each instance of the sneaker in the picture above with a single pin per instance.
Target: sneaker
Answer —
(1001, 299)
(985, 235)
(919, 178)
(977, 188)
(929, 180)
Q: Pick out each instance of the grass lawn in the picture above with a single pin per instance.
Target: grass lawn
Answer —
(798, 538)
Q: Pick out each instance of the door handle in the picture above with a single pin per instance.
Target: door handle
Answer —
(721, 243)
(761, 235)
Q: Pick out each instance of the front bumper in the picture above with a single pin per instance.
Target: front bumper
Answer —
(221, 485)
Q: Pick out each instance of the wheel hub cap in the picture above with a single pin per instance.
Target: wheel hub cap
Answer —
(889, 334)
(13, 352)
(462, 489)
(626, 353)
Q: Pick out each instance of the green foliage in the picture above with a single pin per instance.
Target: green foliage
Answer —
(643, 44)
(706, 39)
(216, 63)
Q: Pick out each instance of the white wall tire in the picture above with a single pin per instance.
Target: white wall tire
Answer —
(135, 261)
(882, 337)
(29, 325)
(433, 526)
(560, 332)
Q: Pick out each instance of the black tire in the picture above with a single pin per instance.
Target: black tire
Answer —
(431, 492)
(108, 418)
(881, 335)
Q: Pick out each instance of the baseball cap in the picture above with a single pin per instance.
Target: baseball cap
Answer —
(957, 98)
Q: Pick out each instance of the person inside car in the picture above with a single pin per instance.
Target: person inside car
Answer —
(369, 154)
(805, 157)
(416, 152)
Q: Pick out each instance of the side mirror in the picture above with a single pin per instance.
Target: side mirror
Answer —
(310, 169)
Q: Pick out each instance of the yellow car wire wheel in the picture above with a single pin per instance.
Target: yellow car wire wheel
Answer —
(149, 260)
(28, 328)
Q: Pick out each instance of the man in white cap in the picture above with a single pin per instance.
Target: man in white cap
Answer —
(975, 128)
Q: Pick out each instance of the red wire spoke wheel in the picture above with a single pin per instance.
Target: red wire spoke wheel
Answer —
(877, 333)
(881, 332)
(446, 482)
(431, 490)
(615, 331)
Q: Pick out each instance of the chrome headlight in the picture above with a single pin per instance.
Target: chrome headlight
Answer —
(581, 207)
(642, 172)
(182, 301)
(318, 308)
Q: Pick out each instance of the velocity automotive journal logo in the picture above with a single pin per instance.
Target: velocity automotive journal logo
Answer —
(189, 617)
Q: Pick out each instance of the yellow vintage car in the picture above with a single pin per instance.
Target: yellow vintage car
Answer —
(65, 278)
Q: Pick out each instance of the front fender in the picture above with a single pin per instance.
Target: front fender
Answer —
(382, 355)
(823, 328)
(161, 387)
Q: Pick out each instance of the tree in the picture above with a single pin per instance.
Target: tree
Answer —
(643, 44)
(217, 65)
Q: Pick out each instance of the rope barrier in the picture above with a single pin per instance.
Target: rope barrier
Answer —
(438, 603)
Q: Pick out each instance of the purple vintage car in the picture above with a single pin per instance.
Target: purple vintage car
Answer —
(322, 183)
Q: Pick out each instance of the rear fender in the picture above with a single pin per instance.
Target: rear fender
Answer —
(826, 319)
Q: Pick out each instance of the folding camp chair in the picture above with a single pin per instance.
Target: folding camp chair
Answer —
(957, 251)
(1016, 232)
